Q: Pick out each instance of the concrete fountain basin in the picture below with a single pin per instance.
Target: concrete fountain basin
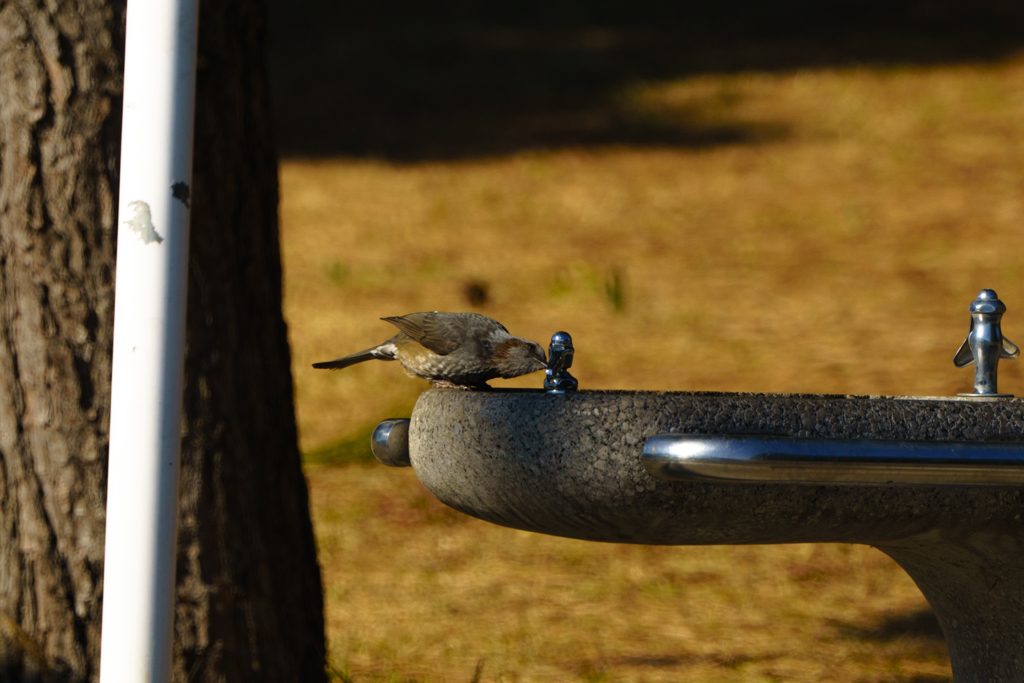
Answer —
(571, 465)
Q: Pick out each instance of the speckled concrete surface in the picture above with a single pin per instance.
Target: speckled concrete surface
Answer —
(570, 465)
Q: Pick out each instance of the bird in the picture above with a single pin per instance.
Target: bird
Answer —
(454, 350)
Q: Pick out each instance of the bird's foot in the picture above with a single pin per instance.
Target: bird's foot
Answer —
(445, 384)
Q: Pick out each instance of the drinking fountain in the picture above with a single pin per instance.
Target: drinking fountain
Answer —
(933, 482)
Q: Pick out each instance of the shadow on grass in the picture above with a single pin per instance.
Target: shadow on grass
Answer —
(596, 671)
(920, 625)
(410, 81)
(916, 624)
(727, 661)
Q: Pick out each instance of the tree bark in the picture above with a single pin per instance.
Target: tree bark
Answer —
(249, 600)
(59, 139)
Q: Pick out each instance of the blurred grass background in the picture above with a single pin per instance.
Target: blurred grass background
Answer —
(747, 196)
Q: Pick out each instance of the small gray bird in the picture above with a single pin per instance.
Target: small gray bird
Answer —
(462, 350)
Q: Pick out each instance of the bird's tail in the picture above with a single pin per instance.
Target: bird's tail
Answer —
(383, 352)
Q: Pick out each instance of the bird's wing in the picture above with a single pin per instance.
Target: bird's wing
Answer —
(439, 333)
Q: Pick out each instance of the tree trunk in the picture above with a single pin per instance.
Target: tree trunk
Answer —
(249, 601)
(59, 130)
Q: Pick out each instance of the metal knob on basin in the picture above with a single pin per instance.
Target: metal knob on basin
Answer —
(985, 345)
(390, 442)
(560, 354)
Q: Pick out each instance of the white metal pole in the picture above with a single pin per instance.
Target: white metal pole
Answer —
(149, 341)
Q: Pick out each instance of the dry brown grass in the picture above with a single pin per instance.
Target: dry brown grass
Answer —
(840, 258)
(416, 591)
(838, 254)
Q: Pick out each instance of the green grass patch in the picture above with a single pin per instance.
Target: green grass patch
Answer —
(349, 450)
(354, 447)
